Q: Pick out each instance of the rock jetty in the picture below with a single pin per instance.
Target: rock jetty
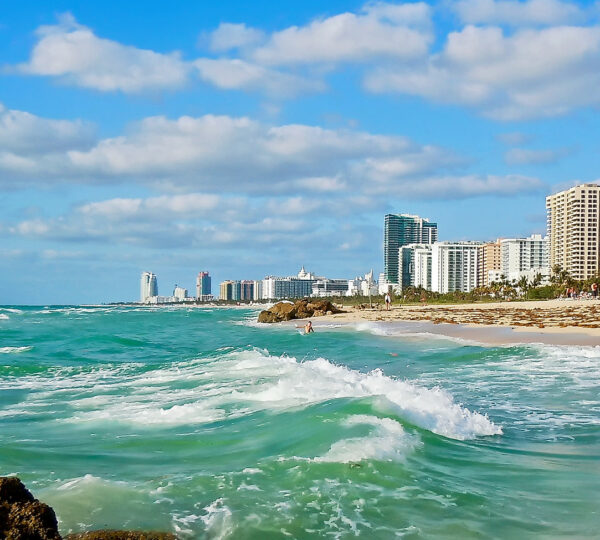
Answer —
(301, 309)
(23, 517)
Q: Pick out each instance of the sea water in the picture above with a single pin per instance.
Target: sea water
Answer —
(201, 422)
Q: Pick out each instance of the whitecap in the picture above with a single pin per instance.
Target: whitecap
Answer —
(10, 350)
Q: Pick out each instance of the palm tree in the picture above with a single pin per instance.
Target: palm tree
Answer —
(523, 285)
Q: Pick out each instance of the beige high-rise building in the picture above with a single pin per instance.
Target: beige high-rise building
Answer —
(488, 261)
(574, 228)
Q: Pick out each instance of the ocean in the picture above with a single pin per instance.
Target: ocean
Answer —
(201, 422)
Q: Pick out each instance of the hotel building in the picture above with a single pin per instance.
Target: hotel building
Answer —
(488, 263)
(401, 230)
(203, 286)
(524, 257)
(573, 229)
(414, 260)
(148, 286)
(454, 266)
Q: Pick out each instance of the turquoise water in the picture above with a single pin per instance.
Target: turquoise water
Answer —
(203, 423)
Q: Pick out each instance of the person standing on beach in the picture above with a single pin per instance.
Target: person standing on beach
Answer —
(388, 301)
(594, 290)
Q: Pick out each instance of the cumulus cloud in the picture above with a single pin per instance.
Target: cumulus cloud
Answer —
(237, 155)
(532, 73)
(236, 74)
(234, 36)
(22, 133)
(514, 12)
(379, 30)
(75, 54)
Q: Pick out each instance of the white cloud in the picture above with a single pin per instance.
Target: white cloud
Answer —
(233, 36)
(514, 12)
(22, 133)
(525, 156)
(236, 74)
(532, 73)
(380, 30)
(222, 154)
(75, 54)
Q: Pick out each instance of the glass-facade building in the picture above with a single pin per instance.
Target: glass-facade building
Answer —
(401, 230)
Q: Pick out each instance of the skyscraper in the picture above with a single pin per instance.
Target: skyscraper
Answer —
(148, 286)
(574, 230)
(203, 286)
(401, 230)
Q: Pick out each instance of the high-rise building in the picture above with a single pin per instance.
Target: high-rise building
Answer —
(454, 266)
(574, 230)
(414, 261)
(179, 293)
(203, 286)
(488, 263)
(148, 286)
(523, 255)
(247, 290)
(401, 230)
(258, 290)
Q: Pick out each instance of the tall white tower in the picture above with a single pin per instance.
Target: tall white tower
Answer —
(148, 286)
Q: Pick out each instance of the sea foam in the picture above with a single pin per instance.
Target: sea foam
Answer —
(238, 383)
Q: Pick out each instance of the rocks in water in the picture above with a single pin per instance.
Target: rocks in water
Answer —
(121, 535)
(22, 516)
(301, 309)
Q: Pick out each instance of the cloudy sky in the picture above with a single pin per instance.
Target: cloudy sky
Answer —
(249, 138)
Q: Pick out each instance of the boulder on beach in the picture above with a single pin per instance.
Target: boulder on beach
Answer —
(22, 516)
(301, 309)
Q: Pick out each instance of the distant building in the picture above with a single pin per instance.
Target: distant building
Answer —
(299, 286)
(574, 230)
(226, 290)
(148, 286)
(414, 262)
(247, 290)
(258, 290)
(203, 287)
(329, 287)
(454, 266)
(362, 285)
(401, 230)
(488, 263)
(524, 257)
(179, 294)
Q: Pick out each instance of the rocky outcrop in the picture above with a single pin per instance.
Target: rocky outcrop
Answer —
(22, 516)
(301, 309)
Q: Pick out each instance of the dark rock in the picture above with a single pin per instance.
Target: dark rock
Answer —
(22, 517)
(301, 309)
(121, 535)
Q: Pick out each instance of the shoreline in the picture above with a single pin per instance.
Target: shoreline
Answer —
(551, 322)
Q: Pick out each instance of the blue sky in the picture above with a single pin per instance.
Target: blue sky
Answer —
(252, 138)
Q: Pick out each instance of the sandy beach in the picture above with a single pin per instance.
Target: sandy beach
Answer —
(568, 322)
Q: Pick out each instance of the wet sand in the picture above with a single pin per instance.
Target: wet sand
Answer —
(557, 322)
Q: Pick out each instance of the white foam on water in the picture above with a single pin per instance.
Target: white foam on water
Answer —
(218, 520)
(12, 350)
(387, 442)
(238, 383)
(4, 317)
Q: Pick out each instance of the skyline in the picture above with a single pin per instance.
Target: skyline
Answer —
(224, 138)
